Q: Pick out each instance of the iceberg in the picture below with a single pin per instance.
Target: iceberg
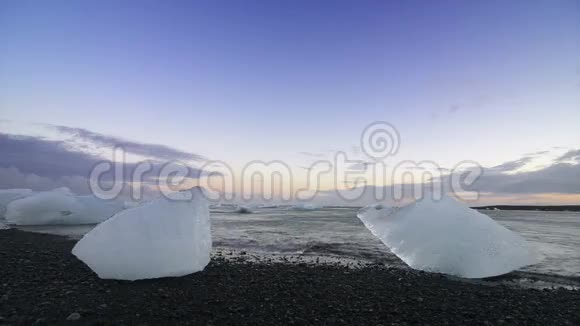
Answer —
(98, 209)
(59, 206)
(48, 207)
(8, 195)
(304, 207)
(242, 209)
(447, 237)
(132, 203)
(161, 238)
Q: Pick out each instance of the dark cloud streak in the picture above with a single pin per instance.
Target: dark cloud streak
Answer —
(46, 158)
(156, 151)
(39, 163)
(572, 155)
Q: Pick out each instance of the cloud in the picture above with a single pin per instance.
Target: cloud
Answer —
(155, 151)
(45, 158)
(360, 166)
(560, 178)
(511, 165)
(41, 164)
(538, 153)
(14, 178)
(572, 155)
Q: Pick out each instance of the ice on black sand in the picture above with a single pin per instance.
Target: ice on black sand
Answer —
(446, 236)
(161, 238)
(59, 206)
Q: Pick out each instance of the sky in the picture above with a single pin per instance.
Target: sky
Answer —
(237, 81)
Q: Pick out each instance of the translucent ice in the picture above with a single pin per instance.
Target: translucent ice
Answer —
(448, 237)
(59, 206)
(161, 238)
(98, 209)
(304, 207)
(8, 195)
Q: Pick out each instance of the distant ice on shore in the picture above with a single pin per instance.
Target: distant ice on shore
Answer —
(304, 207)
(8, 195)
(448, 237)
(161, 238)
(59, 206)
(244, 209)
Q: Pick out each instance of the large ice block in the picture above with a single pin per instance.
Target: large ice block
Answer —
(161, 238)
(448, 237)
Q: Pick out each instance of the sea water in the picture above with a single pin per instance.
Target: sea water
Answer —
(555, 236)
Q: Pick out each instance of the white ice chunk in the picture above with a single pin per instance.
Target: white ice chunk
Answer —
(99, 210)
(304, 207)
(447, 237)
(59, 206)
(49, 207)
(161, 238)
(131, 203)
(269, 206)
(62, 190)
(8, 195)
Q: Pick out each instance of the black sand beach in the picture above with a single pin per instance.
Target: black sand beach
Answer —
(41, 282)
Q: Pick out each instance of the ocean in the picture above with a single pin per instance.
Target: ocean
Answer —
(337, 232)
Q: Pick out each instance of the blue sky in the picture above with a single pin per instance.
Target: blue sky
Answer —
(239, 80)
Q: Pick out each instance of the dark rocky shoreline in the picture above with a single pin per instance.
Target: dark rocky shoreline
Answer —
(544, 208)
(41, 282)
